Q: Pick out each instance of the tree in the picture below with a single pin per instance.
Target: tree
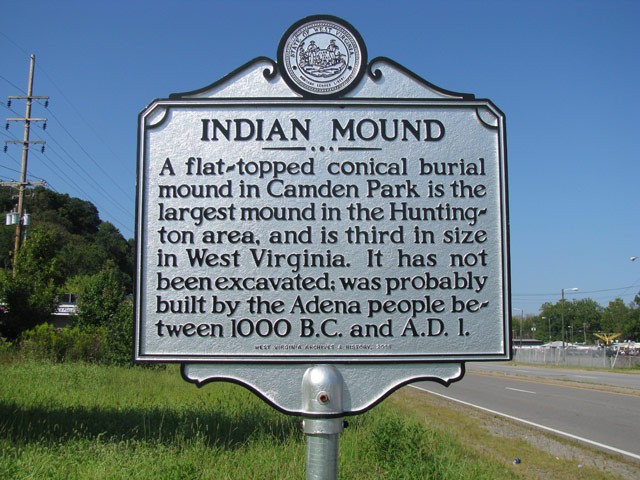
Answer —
(631, 328)
(104, 307)
(30, 295)
(580, 319)
(624, 319)
(87, 243)
(67, 240)
(551, 319)
(80, 256)
(7, 204)
(586, 320)
(99, 296)
(614, 316)
(116, 248)
(74, 215)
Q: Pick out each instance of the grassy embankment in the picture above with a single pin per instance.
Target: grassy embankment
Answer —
(80, 421)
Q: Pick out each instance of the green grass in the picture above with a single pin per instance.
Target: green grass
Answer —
(82, 421)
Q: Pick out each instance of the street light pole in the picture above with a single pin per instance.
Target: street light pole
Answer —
(574, 289)
(570, 327)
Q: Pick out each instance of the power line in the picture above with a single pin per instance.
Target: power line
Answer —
(97, 164)
(59, 173)
(96, 186)
(581, 292)
(64, 158)
(19, 219)
(12, 84)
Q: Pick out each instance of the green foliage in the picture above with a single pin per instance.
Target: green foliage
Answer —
(620, 318)
(631, 327)
(103, 330)
(118, 251)
(80, 256)
(586, 317)
(67, 240)
(99, 297)
(7, 236)
(119, 335)
(580, 318)
(30, 296)
(5, 345)
(86, 243)
(40, 343)
(111, 343)
(44, 342)
(6, 350)
(72, 214)
(614, 316)
(102, 305)
(37, 257)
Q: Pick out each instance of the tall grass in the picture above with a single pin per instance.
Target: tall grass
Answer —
(83, 421)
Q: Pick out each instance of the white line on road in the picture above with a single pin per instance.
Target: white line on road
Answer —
(519, 390)
(537, 425)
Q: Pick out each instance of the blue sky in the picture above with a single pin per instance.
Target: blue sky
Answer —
(566, 73)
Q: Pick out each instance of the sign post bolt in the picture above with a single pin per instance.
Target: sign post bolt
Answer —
(322, 387)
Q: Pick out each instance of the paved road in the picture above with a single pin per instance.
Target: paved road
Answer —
(599, 377)
(602, 418)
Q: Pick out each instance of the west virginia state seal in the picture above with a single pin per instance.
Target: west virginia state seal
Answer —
(322, 56)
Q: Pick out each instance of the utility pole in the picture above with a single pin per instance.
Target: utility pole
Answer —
(23, 184)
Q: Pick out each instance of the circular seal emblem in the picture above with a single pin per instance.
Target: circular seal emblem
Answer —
(322, 56)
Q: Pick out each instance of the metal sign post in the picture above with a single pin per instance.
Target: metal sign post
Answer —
(322, 230)
(322, 390)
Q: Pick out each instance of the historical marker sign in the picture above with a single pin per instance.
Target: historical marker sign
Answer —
(322, 210)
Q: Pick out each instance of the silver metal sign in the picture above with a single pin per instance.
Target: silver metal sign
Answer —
(322, 209)
(282, 230)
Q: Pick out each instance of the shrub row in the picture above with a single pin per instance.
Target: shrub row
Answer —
(110, 344)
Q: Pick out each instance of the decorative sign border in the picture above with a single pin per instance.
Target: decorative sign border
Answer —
(156, 116)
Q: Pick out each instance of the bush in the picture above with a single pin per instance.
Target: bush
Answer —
(6, 349)
(119, 336)
(99, 297)
(82, 344)
(39, 343)
(5, 345)
(44, 342)
(111, 344)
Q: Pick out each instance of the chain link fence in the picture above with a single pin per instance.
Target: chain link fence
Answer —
(579, 357)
